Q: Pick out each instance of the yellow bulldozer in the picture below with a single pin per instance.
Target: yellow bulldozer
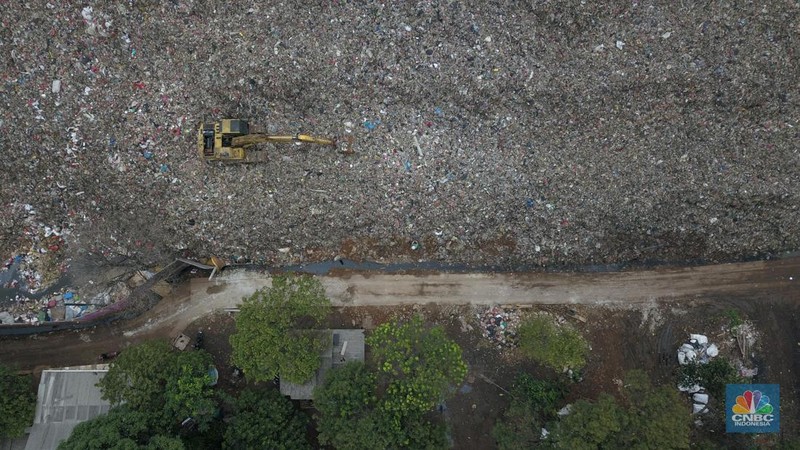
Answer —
(228, 140)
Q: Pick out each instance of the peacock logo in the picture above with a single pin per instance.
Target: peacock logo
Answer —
(752, 408)
(752, 402)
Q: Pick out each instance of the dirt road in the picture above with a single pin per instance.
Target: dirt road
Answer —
(762, 281)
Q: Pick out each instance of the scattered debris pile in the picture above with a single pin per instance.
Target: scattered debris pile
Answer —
(65, 303)
(697, 350)
(37, 259)
(499, 324)
(745, 337)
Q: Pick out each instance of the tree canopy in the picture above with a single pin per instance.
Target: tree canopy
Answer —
(17, 403)
(648, 418)
(415, 365)
(121, 429)
(533, 402)
(351, 417)
(384, 404)
(265, 419)
(713, 376)
(277, 330)
(590, 425)
(167, 385)
(657, 417)
(346, 402)
(554, 346)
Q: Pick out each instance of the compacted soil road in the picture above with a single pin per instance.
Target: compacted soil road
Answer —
(749, 283)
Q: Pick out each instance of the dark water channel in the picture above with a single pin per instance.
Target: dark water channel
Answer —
(7, 294)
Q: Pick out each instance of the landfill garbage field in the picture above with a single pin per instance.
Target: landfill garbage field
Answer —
(558, 133)
(494, 135)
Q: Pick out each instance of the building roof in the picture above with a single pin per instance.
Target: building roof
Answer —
(344, 346)
(66, 398)
(348, 345)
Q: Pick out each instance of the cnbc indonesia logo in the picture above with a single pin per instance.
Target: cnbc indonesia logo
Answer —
(752, 411)
(752, 408)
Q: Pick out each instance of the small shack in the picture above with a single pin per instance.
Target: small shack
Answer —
(345, 346)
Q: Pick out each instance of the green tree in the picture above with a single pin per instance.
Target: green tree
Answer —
(385, 404)
(651, 418)
(265, 419)
(276, 330)
(121, 429)
(554, 346)
(713, 376)
(17, 403)
(657, 417)
(590, 425)
(189, 393)
(346, 402)
(415, 366)
(169, 386)
(350, 417)
(162, 442)
(533, 402)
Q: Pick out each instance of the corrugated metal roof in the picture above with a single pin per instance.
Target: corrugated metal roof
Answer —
(13, 444)
(66, 398)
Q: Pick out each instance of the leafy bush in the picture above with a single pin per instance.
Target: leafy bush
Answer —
(647, 418)
(533, 402)
(540, 397)
(16, 404)
(265, 419)
(712, 376)
(557, 347)
(734, 319)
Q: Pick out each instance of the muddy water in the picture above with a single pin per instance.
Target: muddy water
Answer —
(7, 295)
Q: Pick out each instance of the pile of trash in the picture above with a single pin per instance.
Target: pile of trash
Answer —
(63, 304)
(462, 142)
(697, 350)
(500, 325)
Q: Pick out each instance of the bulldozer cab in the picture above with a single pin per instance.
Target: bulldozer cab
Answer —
(215, 140)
